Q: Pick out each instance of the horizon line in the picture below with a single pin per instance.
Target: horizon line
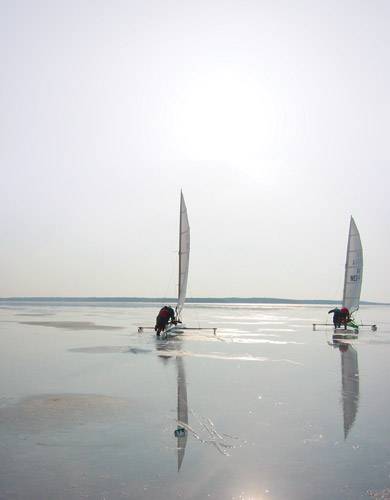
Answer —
(226, 299)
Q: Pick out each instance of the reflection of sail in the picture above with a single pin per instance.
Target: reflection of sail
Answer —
(182, 411)
(350, 385)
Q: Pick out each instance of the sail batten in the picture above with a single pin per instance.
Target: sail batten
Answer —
(353, 270)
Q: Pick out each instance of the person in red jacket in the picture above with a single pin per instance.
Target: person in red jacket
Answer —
(344, 316)
(165, 315)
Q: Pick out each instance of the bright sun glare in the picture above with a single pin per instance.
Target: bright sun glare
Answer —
(225, 116)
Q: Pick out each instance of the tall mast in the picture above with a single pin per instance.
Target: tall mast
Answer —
(180, 228)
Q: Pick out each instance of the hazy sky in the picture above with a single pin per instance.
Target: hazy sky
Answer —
(272, 116)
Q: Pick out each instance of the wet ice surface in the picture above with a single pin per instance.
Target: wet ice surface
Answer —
(89, 407)
(71, 325)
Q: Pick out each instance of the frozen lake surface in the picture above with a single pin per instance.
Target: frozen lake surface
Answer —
(264, 409)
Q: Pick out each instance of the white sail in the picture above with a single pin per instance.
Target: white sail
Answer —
(184, 256)
(353, 270)
(350, 385)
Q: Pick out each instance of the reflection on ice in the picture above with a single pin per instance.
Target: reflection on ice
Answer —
(225, 332)
(207, 434)
(110, 350)
(34, 314)
(116, 399)
(43, 413)
(277, 330)
(167, 350)
(229, 332)
(242, 340)
(251, 323)
(203, 429)
(182, 411)
(212, 355)
(225, 356)
(313, 439)
(382, 494)
(350, 385)
(72, 325)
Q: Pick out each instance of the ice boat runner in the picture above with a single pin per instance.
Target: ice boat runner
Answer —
(344, 324)
(174, 325)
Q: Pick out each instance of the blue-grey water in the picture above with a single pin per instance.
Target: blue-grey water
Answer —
(265, 409)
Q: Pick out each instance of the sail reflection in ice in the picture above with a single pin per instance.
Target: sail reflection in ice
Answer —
(350, 385)
(182, 411)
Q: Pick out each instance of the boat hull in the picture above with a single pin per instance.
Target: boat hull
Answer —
(173, 330)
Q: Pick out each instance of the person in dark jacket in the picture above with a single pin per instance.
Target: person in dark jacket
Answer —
(165, 315)
(336, 317)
